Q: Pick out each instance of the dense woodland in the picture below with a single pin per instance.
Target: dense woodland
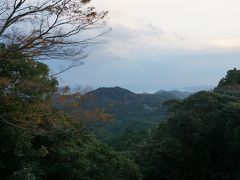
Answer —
(133, 115)
(197, 139)
(50, 132)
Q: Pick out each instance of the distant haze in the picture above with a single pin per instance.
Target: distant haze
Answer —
(159, 44)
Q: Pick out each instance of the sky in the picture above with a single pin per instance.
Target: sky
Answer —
(162, 44)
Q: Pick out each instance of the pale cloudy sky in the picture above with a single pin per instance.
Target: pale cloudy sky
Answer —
(163, 44)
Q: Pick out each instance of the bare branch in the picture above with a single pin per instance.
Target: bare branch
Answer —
(15, 126)
(47, 28)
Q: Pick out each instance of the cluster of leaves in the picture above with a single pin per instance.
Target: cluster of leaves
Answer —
(231, 78)
(38, 141)
(26, 94)
(200, 140)
(230, 84)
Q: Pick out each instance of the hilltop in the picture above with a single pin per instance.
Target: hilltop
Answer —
(133, 114)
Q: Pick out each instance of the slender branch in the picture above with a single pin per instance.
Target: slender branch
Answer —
(50, 29)
(15, 126)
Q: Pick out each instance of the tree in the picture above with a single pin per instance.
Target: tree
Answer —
(200, 140)
(232, 78)
(38, 141)
(54, 29)
(230, 84)
(26, 92)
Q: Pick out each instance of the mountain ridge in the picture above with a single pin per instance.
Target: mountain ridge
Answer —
(113, 91)
(133, 114)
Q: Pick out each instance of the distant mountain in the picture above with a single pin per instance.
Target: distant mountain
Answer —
(173, 94)
(133, 113)
(124, 103)
(195, 89)
(118, 94)
(114, 94)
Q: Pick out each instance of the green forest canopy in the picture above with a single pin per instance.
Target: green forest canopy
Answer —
(40, 142)
(200, 140)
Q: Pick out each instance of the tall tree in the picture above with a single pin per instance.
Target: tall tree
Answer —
(38, 141)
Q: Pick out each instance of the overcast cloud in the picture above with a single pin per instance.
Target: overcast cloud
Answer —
(163, 44)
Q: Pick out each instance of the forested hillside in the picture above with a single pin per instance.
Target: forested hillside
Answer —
(39, 141)
(200, 139)
(50, 132)
(133, 115)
